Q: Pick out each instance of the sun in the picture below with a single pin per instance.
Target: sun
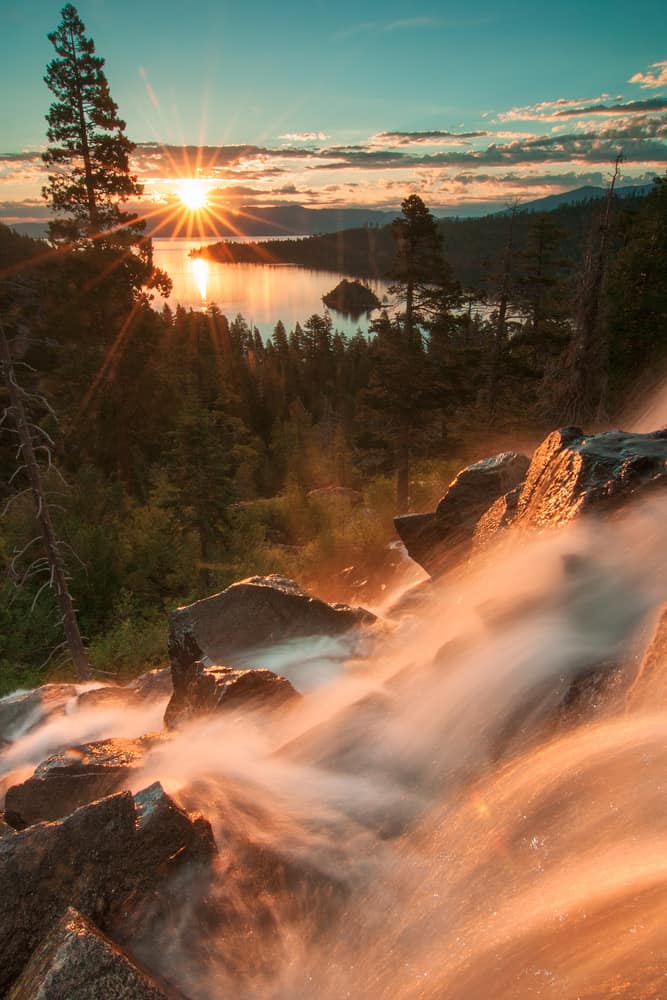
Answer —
(193, 193)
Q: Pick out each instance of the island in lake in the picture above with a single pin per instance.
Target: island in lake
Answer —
(352, 298)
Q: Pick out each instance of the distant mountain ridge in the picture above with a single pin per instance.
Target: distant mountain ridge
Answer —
(297, 220)
(251, 221)
(575, 197)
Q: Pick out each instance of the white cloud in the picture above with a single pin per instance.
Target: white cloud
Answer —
(655, 76)
(305, 136)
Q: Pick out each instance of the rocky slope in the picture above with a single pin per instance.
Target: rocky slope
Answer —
(109, 876)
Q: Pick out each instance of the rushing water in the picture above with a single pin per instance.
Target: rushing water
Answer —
(465, 841)
(444, 826)
(262, 293)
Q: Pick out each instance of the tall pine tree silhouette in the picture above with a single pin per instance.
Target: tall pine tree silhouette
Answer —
(88, 146)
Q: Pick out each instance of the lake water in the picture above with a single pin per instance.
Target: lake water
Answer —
(262, 293)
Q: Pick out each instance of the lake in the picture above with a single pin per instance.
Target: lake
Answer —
(262, 293)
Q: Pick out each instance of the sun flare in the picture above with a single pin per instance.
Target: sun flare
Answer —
(193, 193)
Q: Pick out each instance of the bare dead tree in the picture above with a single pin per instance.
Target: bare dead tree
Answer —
(33, 439)
(587, 363)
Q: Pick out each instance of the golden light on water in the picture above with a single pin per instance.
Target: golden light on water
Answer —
(200, 270)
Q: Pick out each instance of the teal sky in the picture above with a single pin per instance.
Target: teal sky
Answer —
(317, 94)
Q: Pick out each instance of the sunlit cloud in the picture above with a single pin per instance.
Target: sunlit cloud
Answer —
(563, 108)
(305, 136)
(433, 138)
(655, 76)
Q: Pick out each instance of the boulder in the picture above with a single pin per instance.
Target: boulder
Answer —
(442, 538)
(73, 777)
(109, 696)
(200, 691)
(148, 687)
(5, 828)
(153, 685)
(572, 473)
(77, 961)
(115, 860)
(250, 614)
(22, 711)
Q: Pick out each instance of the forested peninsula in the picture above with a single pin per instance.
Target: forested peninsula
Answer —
(473, 247)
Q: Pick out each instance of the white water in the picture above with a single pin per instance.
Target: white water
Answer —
(464, 837)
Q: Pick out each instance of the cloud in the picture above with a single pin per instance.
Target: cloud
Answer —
(305, 136)
(403, 23)
(432, 138)
(598, 106)
(412, 23)
(654, 104)
(655, 76)
(387, 27)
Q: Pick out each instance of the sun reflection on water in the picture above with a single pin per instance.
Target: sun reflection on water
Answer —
(200, 269)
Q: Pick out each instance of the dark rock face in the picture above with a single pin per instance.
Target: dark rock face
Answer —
(113, 860)
(251, 614)
(19, 713)
(201, 691)
(570, 474)
(247, 616)
(72, 778)
(440, 539)
(76, 961)
(153, 685)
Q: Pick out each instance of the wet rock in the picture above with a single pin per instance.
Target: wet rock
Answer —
(74, 777)
(5, 828)
(22, 711)
(201, 691)
(76, 961)
(153, 685)
(572, 473)
(250, 614)
(148, 687)
(117, 861)
(110, 696)
(440, 539)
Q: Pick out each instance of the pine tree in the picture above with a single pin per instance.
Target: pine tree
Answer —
(88, 145)
(419, 263)
(90, 152)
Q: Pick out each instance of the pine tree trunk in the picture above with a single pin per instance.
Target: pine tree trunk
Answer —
(43, 515)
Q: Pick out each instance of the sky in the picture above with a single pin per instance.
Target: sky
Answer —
(354, 103)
